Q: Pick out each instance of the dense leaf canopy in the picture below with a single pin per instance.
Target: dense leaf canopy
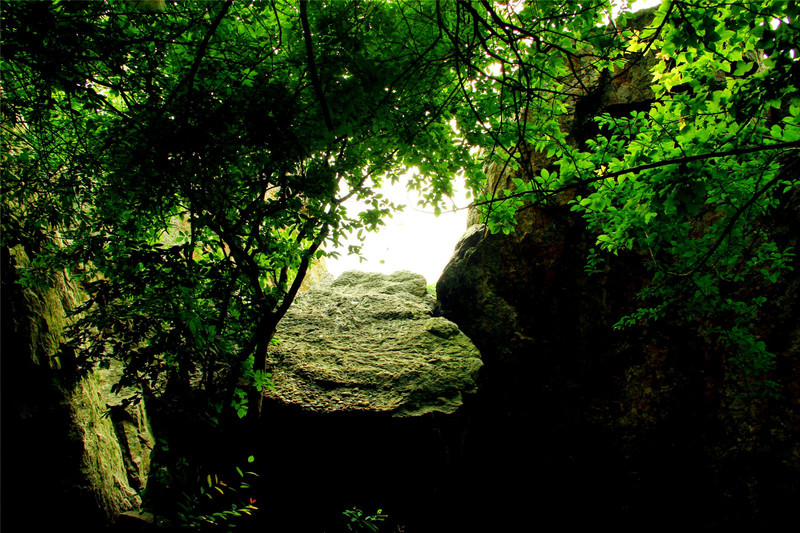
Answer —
(188, 160)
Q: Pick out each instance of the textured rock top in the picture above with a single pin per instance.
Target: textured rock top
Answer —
(369, 342)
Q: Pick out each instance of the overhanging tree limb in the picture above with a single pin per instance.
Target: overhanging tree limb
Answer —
(793, 145)
(201, 51)
(699, 157)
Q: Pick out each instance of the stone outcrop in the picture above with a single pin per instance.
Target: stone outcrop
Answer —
(627, 426)
(69, 446)
(369, 342)
(614, 427)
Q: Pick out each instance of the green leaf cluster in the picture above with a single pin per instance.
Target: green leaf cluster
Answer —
(189, 164)
(219, 503)
(357, 520)
(688, 173)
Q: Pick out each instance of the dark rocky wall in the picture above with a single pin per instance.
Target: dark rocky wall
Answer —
(578, 424)
(40, 460)
(66, 459)
(318, 465)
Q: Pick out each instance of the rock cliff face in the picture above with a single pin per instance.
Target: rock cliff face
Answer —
(580, 424)
(625, 426)
(69, 448)
(617, 427)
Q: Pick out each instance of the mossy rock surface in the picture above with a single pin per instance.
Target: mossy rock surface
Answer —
(371, 342)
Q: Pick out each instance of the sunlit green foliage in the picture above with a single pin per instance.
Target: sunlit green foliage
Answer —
(357, 520)
(188, 160)
(689, 180)
(190, 163)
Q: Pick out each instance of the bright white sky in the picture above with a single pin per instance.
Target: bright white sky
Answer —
(414, 239)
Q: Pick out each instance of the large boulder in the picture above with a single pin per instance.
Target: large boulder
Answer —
(367, 408)
(370, 342)
(627, 426)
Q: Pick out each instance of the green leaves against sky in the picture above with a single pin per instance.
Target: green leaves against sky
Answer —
(187, 164)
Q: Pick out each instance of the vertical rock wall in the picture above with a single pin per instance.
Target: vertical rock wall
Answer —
(69, 456)
(578, 424)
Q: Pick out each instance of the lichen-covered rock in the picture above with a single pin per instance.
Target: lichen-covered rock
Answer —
(131, 425)
(102, 463)
(369, 342)
(73, 443)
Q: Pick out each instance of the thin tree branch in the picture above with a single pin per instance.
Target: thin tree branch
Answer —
(201, 51)
(312, 67)
(793, 145)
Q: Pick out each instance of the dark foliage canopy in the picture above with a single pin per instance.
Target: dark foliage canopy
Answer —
(187, 161)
